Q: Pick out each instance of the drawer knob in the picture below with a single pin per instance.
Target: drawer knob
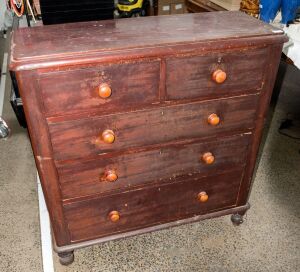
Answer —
(108, 136)
(111, 175)
(208, 158)
(202, 197)
(213, 119)
(114, 216)
(219, 76)
(104, 90)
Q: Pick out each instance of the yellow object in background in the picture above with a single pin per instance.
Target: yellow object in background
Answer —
(132, 8)
(251, 7)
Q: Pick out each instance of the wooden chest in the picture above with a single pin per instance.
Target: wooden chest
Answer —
(142, 124)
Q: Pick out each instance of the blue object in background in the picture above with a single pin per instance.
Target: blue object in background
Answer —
(288, 10)
(269, 9)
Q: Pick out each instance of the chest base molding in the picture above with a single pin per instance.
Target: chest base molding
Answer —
(241, 210)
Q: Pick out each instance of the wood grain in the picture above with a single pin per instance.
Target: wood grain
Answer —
(117, 236)
(159, 70)
(133, 84)
(160, 165)
(191, 77)
(262, 110)
(39, 137)
(76, 39)
(80, 138)
(202, 6)
(150, 206)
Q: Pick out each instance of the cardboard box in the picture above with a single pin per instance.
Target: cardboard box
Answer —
(178, 8)
(166, 7)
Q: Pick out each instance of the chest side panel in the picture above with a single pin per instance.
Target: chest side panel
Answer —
(43, 155)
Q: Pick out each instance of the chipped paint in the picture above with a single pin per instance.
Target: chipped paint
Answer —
(40, 158)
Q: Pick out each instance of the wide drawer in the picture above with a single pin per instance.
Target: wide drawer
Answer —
(160, 165)
(123, 86)
(191, 77)
(159, 204)
(81, 138)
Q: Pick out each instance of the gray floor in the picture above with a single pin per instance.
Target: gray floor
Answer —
(268, 240)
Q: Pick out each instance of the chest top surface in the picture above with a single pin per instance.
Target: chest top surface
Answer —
(41, 44)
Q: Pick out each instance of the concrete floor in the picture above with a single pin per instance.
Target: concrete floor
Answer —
(268, 240)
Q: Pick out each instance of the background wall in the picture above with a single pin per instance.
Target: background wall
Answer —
(2, 11)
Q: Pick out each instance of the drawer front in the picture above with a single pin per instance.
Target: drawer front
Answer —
(191, 77)
(80, 138)
(154, 166)
(123, 86)
(147, 207)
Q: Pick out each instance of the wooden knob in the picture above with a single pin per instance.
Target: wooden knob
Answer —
(208, 158)
(110, 176)
(114, 216)
(104, 90)
(202, 197)
(213, 119)
(108, 136)
(219, 76)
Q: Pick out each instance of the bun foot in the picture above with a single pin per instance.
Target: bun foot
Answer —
(66, 258)
(237, 219)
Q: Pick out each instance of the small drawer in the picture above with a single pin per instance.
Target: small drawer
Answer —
(216, 74)
(105, 88)
(160, 204)
(163, 165)
(91, 137)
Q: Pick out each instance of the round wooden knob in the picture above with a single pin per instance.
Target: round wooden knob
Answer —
(111, 175)
(219, 76)
(108, 136)
(213, 119)
(104, 90)
(208, 158)
(114, 216)
(202, 197)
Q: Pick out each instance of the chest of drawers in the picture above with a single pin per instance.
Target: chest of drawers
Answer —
(142, 124)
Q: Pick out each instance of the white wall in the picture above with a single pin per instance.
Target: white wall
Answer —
(2, 10)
